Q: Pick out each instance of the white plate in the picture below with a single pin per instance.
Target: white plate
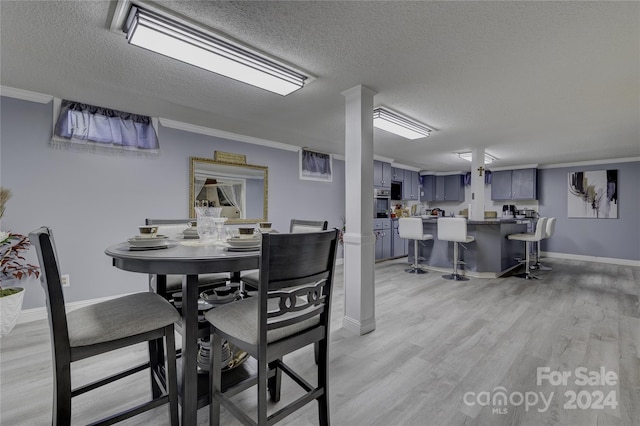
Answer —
(147, 238)
(168, 245)
(241, 242)
(149, 242)
(241, 249)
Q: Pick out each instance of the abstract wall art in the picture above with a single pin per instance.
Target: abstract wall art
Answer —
(593, 194)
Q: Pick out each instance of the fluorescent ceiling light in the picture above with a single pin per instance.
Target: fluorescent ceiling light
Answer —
(488, 158)
(395, 123)
(162, 35)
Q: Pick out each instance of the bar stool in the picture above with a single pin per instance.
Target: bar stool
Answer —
(530, 237)
(411, 228)
(454, 229)
(548, 232)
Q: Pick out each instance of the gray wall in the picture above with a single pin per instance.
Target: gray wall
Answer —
(92, 201)
(612, 238)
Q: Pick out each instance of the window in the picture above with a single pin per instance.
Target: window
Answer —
(95, 128)
(315, 166)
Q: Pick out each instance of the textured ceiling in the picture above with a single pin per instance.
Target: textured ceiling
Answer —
(531, 82)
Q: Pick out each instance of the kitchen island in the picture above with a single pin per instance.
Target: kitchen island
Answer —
(489, 256)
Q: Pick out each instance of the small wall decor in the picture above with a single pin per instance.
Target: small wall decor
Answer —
(228, 157)
(593, 194)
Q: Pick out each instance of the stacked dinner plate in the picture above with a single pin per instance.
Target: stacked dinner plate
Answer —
(243, 244)
(213, 299)
(140, 242)
(190, 234)
(204, 353)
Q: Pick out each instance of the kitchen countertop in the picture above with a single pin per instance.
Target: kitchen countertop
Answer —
(486, 221)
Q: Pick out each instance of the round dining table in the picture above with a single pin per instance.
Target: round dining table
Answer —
(189, 259)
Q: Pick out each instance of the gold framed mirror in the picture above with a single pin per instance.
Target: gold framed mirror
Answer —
(240, 189)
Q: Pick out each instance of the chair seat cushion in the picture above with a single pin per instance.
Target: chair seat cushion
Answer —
(240, 319)
(117, 318)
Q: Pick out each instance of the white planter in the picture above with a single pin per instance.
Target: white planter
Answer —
(10, 308)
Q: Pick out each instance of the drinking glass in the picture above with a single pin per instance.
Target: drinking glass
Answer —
(206, 222)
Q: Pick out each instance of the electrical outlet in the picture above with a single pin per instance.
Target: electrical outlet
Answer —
(66, 281)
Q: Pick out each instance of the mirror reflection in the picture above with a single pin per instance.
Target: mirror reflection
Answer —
(239, 189)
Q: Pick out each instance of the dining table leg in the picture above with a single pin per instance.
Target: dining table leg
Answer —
(189, 349)
(157, 284)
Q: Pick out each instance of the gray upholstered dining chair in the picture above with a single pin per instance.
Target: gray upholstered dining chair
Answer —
(300, 225)
(103, 327)
(292, 310)
(250, 278)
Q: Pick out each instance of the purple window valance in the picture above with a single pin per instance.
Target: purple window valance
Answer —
(85, 123)
(316, 162)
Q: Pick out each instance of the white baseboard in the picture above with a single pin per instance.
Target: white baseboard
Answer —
(358, 327)
(597, 259)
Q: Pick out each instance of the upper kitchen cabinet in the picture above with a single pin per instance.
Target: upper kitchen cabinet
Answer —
(519, 184)
(411, 185)
(442, 188)
(428, 191)
(449, 188)
(397, 175)
(381, 174)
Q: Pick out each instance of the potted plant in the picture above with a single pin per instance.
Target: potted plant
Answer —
(13, 268)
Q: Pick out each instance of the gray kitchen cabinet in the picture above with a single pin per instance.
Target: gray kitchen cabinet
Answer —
(428, 191)
(397, 175)
(411, 185)
(448, 188)
(384, 237)
(501, 185)
(398, 245)
(519, 184)
(453, 190)
(381, 174)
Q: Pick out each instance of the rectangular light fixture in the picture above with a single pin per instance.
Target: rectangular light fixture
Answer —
(488, 158)
(162, 35)
(395, 123)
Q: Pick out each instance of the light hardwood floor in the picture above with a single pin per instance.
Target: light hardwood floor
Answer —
(440, 348)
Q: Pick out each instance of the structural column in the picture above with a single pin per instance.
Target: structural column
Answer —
(359, 240)
(477, 184)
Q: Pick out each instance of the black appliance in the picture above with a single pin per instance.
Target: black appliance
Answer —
(508, 210)
(396, 190)
(381, 202)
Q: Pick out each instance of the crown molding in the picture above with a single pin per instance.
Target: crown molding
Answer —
(522, 166)
(591, 163)
(187, 127)
(25, 95)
